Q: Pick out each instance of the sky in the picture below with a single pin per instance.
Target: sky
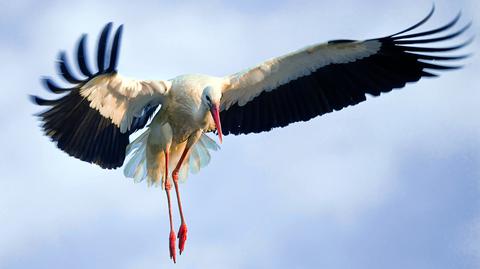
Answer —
(390, 183)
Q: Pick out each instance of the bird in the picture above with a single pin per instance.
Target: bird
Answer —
(95, 116)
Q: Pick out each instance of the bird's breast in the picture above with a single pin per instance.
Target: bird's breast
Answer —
(186, 117)
(184, 108)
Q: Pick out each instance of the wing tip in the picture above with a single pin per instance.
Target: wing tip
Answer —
(114, 50)
(33, 99)
(38, 100)
(418, 24)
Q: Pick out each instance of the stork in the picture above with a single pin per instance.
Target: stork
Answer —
(96, 115)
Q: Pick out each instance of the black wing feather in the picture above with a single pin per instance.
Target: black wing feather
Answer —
(102, 47)
(115, 50)
(65, 71)
(54, 88)
(418, 24)
(81, 57)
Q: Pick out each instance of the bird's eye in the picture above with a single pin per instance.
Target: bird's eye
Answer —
(208, 98)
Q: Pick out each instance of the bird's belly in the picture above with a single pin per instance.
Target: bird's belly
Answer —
(184, 125)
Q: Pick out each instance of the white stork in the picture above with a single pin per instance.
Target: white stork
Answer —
(98, 113)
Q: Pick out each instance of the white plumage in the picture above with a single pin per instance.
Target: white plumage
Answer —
(122, 99)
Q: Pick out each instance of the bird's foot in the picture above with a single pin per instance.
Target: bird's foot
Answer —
(182, 236)
(172, 247)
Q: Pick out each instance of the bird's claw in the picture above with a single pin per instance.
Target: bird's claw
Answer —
(172, 247)
(182, 236)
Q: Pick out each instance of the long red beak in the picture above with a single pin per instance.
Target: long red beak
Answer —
(216, 118)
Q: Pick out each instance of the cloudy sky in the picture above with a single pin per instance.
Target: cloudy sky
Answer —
(391, 183)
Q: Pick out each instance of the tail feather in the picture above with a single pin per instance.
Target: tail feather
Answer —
(208, 143)
(194, 161)
(136, 166)
(199, 156)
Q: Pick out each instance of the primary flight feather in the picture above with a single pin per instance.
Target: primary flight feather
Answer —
(94, 118)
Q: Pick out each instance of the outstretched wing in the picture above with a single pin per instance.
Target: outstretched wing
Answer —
(331, 76)
(95, 117)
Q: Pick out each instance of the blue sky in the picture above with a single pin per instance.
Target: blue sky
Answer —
(390, 183)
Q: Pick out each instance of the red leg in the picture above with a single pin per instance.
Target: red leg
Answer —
(168, 186)
(182, 232)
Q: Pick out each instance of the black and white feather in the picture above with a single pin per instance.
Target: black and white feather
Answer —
(92, 121)
(326, 77)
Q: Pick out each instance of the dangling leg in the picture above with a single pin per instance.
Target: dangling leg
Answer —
(168, 186)
(182, 232)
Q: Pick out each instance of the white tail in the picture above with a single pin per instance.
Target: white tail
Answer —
(139, 167)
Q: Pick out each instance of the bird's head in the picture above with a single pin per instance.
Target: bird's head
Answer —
(211, 100)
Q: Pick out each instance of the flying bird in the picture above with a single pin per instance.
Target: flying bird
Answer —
(94, 118)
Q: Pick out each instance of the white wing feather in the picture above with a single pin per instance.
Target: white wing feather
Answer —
(246, 85)
(122, 99)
